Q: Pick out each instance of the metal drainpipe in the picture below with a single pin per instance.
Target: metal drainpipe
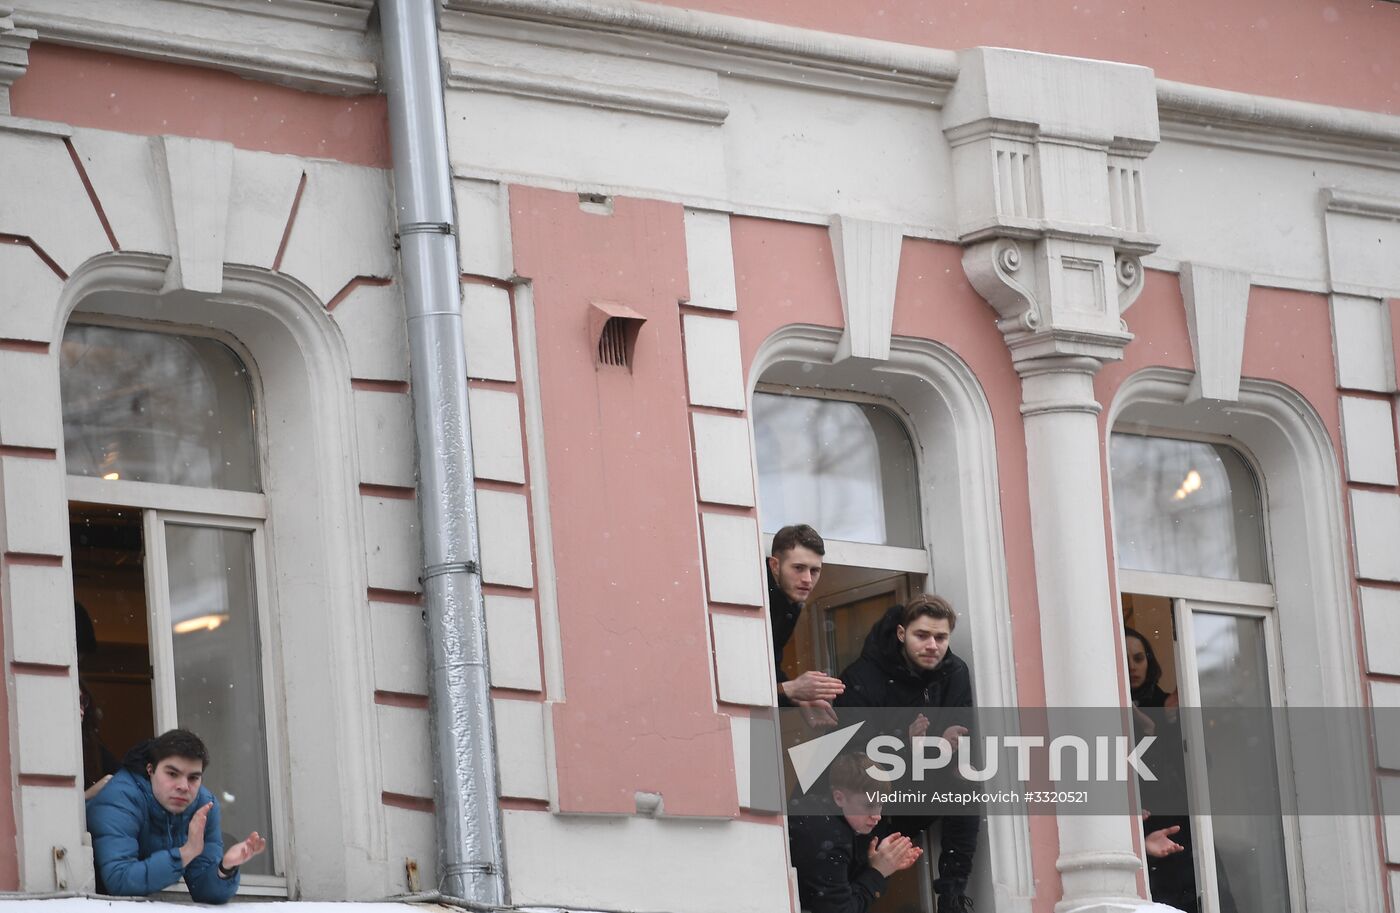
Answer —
(471, 861)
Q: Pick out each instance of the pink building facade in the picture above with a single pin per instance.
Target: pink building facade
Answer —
(1081, 317)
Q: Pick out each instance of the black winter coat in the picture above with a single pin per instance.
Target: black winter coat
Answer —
(830, 879)
(882, 678)
(784, 614)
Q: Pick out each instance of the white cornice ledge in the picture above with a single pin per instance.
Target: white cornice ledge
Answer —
(299, 69)
(883, 60)
(1361, 204)
(656, 102)
(1182, 103)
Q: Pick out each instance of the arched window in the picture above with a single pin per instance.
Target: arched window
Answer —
(169, 562)
(1188, 519)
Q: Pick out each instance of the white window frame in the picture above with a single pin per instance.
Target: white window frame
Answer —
(1188, 688)
(161, 504)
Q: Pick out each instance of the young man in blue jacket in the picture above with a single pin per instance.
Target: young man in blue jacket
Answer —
(155, 823)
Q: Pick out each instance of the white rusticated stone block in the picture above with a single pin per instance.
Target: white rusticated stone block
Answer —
(1385, 696)
(714, 366)
(50, 816)
(1363, 242)
(46, 200)
(260, 205)
(504, 520)
(1361, 341)
(384, 438)
(124, 173)
(483, 228)
(1390, 811)
(497, 451)
(44, 748)
(343, 229)
(371, 319)
(1375, 518)
(867, 270)
(37, 633)
(1217, 302)
(520, 748)
(1380, 619)
(198, 176)
(1368, 438)
(743, 665)
(513, 640)
(709, 253)
(400, 648)
(733, 561)
(723, 461)
(28, 296)
(30, 414)
(34, 510)
(413, 835)
(393, 552)
(490, 338)
(403, 739)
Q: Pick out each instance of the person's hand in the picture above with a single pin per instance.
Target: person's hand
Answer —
(1145, 724)
(919, 727)
(96, 788)
(244, 850)
(953, 733)
(194, 837)
(1160, 843)
(1171, 706)
(813, 686)
(819, 714)
(893, 854)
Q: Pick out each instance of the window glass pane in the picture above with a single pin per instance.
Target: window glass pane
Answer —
(846, 468)
(218, 672)
(1251, 861)
(152, 407)
(1186, 507)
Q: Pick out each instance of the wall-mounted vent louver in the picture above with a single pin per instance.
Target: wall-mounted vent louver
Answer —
(613, 328)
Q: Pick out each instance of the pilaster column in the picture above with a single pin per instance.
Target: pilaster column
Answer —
(1048, 155)
(14, 54)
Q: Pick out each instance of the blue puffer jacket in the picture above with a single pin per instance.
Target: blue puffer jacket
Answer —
(136, 843)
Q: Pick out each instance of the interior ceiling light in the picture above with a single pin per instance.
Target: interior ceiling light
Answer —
(199, 623)
(112, 476)
(1191, 483)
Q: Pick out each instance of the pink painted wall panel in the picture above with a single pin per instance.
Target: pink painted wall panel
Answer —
(1335, 52)
(127, 94)
(639, 712)
(785, 273)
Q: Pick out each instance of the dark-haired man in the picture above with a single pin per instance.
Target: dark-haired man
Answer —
(156, 823)
(823, 829)
(794, 567)
(906, 662)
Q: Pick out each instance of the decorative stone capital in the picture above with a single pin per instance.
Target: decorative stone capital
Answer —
(1056, 297)
(1048, 157)
(14, 54)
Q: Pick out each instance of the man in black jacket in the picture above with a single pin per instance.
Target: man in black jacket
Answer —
(906, 663)
(823, 829)
(794, 567)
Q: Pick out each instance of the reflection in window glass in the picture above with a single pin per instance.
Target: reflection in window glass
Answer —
(1233, 664)
(1186, 507)
(846, 468)
(152, 407)
(218, 673)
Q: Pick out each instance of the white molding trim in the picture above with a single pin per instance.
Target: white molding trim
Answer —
(1307, 530)
(335, 75)
(155, 496)
(350, 15)
(949, 393)
(882, 61)
(1357, 203)
(474, 77)
(1203, 589)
